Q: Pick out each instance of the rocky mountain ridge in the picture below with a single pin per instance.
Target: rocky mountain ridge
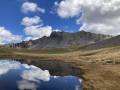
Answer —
(62, 39)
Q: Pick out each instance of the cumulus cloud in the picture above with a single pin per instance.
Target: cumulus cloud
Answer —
(57, 30)
(6, 66)
(32, 77)
(31, 7)
(34, 27)
(36, 74)
(29, 66)
(30, 21)
(38, 31)
(6, 35)
(28, 38)
(99, 16)
(68, 8)
(24, 84)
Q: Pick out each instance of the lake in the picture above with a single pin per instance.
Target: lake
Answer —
(21, 74)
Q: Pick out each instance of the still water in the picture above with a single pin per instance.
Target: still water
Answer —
(38, 75)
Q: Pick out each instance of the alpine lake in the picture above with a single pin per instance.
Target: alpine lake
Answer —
(27, 74)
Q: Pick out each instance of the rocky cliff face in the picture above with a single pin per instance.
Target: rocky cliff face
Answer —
(62, 39)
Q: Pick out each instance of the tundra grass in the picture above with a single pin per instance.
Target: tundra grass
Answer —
(101, 68)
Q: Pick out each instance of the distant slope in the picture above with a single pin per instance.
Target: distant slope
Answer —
(112, 42)
(62, 39)
(6, 50)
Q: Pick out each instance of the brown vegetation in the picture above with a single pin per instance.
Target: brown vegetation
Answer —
(101, 68)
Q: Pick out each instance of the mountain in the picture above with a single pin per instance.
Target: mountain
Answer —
(62, 39)
(111, 42)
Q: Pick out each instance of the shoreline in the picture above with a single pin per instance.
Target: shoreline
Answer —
(95, 76)
(101, 68)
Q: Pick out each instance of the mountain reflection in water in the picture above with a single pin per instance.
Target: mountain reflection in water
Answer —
(15, 76)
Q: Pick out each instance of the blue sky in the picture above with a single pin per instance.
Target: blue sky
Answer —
(33, 19)
(11, 16)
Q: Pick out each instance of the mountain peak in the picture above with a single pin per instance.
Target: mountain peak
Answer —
(63, 39)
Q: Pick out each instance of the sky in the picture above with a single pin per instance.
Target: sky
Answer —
(32, 19)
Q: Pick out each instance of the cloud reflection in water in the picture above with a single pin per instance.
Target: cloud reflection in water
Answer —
(30, 77)
(5, 66)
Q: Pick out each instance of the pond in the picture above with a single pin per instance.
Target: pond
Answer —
(38, 75)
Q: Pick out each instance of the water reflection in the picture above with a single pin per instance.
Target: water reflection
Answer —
(24, 84)
(14, 76)
(5, 66)
(55, 68)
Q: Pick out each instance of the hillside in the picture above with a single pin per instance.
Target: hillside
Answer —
(62, 39)
(112, 42)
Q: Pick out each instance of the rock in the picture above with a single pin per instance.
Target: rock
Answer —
(63, 39)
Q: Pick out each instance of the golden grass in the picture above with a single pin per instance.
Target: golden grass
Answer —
(101, 67)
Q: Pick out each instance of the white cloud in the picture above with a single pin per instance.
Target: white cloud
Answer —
(57, 30)
(38, 31)
(68, 8)
(32, 77)
(36, 74)
(6, 66)
(99, 16)
(24, 84)
(31, 7)
(34, 28)
(6, 35)
(31, 21)
(28, 38)
(29, 66)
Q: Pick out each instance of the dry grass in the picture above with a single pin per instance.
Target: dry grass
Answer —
(101, 67)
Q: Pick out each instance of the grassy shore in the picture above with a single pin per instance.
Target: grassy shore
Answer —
(101, 68)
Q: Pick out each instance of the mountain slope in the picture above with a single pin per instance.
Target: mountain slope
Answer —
(112, 42)
(62, 39)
